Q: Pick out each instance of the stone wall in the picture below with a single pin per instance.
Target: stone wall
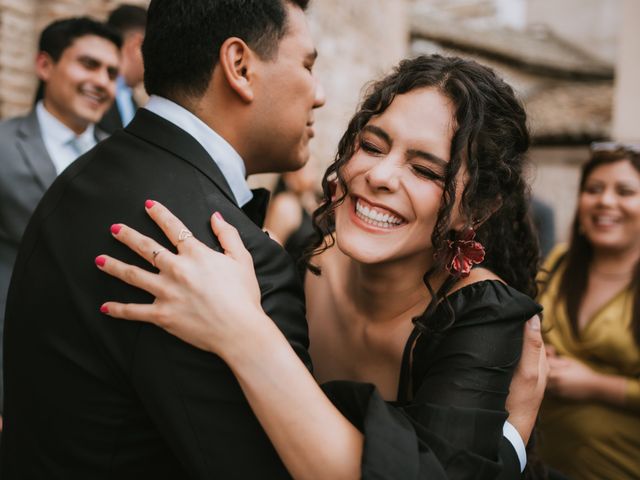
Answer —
(358, 41)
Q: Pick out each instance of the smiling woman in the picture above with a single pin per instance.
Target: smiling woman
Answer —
(591, 417)
(415, 351)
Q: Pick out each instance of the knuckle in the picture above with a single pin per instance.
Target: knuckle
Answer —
(124, 311)
(536, 342)
(147, 246)
(129, 275)
(159, 317)
(181, 274)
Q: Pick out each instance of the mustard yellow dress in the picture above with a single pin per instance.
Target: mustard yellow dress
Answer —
(591, 440)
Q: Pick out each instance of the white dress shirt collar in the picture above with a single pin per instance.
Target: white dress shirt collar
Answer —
(223, 154)
(61, 142)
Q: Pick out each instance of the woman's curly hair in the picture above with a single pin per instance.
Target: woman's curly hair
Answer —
(490, 141)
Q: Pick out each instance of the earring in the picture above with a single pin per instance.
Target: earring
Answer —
(463, 253)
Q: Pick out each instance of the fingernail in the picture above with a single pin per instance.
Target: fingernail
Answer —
(149, 203)
(115, 228)
(100, 261)
(534, 323)
(104, 309)
(218, 216)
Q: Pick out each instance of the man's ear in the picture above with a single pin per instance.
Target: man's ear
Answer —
(236, 62)
(133, 42)
(44, 65)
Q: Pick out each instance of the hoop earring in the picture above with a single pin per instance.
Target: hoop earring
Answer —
(462, 253)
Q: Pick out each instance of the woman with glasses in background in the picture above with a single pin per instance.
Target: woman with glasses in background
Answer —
(590, 420)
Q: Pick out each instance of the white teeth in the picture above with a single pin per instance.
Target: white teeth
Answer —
(605, 220)
(377, 218)
(93, 96)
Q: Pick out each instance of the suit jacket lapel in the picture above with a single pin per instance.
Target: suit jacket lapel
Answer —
(164, 134)
(29, 142)
(100, 134)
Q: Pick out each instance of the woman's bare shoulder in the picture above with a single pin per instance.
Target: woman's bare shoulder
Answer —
(476, 275)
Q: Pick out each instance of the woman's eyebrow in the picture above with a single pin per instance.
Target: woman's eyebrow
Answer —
(427, 156)
(379, 132)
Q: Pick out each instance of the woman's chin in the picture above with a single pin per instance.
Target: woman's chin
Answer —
(364, 252)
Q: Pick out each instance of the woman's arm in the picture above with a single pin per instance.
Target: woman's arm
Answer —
(572, 379)
(311, 436)
(313, 439)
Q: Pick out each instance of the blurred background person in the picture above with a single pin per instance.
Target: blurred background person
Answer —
(543, 218)
(590, 419)
(77, 65)
(288, 218)
(130, 21)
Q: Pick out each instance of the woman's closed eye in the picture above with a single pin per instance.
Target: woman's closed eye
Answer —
(426, 172)
(625, 191)
(370, 147)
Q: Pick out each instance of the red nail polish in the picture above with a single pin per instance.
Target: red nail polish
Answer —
(100, 261)
(115, 228)
(149, 203)
(104, 309)
(218, 216)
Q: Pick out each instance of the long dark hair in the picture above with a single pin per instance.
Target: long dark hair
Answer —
(573, 283)
(491, 140)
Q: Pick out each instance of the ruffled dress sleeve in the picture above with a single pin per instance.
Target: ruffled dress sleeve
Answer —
(451, 426)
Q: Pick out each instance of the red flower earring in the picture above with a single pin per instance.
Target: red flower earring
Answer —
(463, 253)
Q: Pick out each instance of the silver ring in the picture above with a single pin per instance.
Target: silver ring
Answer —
(154, 254)
(184, 234)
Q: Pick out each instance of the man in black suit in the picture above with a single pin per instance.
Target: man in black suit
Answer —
(88, 397)
(130, 21)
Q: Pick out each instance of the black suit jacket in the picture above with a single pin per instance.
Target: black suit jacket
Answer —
(92, 397)
(112, 120)
(26, 171)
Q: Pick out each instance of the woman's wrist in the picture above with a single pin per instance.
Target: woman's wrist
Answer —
(254, 330)
(608, 388)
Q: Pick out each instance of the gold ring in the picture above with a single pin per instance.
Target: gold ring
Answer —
(155, 253)
(184, 234)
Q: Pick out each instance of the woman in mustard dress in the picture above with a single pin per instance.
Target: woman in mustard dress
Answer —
(590, 419)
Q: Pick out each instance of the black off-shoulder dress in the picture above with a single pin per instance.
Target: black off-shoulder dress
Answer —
(447, 422)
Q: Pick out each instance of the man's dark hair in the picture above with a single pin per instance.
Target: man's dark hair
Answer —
(126, 18)
(183, 39)
(59, 35)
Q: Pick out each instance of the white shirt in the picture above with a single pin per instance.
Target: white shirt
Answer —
(511, 434)
(223, 154)
(62, 144)
(124, 101)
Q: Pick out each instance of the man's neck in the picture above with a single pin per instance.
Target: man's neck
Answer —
(76, 127)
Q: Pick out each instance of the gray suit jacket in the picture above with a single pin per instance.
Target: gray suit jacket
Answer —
(26, 171)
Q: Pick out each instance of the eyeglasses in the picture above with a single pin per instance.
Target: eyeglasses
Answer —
(615, 146)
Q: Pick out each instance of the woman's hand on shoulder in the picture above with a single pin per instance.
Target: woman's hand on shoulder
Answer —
(204, 297)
